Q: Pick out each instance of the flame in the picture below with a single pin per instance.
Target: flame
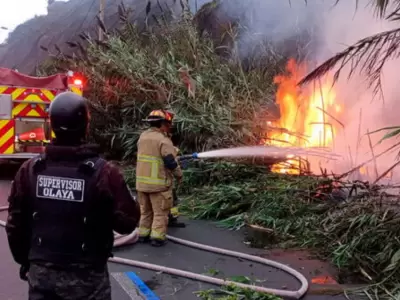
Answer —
(323, 280)
(304, 120)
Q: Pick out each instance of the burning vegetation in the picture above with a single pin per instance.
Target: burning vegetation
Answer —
(308, 117)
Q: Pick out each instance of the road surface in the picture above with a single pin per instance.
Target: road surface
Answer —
(172, 255)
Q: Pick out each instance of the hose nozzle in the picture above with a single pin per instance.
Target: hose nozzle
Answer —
(188, 157)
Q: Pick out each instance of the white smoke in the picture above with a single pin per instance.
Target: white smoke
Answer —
(343, 27)
(335, 27)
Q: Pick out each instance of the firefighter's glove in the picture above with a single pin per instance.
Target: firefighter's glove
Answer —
(23, 272)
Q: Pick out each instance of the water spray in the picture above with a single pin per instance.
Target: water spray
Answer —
(259, 151)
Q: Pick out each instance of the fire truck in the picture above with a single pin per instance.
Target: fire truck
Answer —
(24, 104)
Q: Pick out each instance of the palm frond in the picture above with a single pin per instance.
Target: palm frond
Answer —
(394, 15)
(381, 7)
(368, 55)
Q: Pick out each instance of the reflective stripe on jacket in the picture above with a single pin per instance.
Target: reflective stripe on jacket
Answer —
(151, 174)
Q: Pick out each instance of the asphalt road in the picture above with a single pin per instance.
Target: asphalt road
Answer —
(172, 255)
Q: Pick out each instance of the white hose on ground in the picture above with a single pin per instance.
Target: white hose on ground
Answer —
(129, 239)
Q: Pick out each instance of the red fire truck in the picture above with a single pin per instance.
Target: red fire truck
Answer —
(24, 104)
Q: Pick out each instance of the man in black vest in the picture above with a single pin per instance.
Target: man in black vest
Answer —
(63, 208)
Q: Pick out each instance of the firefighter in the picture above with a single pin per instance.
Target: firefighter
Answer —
(155, 172)
(63, 208)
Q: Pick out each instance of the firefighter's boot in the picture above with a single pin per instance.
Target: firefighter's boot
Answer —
(173, 222)
(144, 239)
(158, 243)
(174, 214)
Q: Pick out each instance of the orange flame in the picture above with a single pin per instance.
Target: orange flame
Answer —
(304, 120)
(363, 171)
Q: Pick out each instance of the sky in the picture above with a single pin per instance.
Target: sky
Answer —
(15, 12)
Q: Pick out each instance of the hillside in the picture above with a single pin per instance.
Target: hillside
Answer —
(65, 20)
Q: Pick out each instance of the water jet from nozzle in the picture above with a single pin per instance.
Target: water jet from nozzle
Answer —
(265, 151)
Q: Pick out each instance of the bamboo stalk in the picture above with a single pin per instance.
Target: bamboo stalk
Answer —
(323, 115)
(320, 137)
(373, 154)
(351, 156)
(329, 115)
(358, 136)
(333, 135)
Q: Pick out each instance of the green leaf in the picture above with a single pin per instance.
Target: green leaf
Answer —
(241, 279)
(394, 262)
(390, 135)
(385, 128)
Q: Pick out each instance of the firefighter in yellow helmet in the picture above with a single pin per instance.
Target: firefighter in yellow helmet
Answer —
(155, 171)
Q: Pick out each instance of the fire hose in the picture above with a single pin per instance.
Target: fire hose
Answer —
(212, 280)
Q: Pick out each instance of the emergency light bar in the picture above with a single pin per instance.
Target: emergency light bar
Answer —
(74, 80)
(77, 82)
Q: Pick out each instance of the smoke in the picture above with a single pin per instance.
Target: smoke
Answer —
(333, 28)
(195, 5)
(363, 111)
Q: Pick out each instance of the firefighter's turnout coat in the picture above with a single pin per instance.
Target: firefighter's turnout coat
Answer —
(152, 174)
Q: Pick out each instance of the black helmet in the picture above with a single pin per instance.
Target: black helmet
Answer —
(69, 116)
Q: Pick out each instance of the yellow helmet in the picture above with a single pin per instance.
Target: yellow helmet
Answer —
(160, 115)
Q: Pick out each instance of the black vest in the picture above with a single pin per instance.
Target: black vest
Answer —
(71, 220)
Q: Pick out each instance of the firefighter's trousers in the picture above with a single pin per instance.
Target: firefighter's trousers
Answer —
(174, 213)
(154, 209)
